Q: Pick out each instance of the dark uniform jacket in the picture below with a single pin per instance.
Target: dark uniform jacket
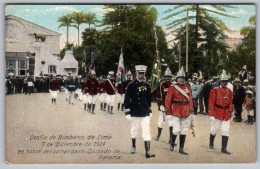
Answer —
(72, 85)
(239, 95)
(138, 99)
(102, 88)
(126, 83)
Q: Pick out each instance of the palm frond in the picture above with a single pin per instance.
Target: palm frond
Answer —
(172, 9)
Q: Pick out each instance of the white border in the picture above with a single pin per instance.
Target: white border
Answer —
(130, 166)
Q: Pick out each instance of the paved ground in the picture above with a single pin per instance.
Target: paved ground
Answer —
(35, 115)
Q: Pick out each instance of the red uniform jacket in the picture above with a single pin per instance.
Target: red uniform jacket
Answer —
(85, 88)
(179, 105)
(54, 85)
(126, 83)
(220, 103)
(161, 92)
(93, 86)
(102, 88)
(120, 88)
(109, 89)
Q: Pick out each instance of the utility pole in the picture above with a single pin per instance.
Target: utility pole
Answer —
(187, 41)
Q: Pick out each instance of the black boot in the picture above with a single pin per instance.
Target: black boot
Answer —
(211, 141)
(93, 108)
(133, 146)
(122, 107)
(182, 141)
(173, 142)
(111, 112)
(108, 109)
(147, 150)
(52, 100)
(170, 134)
(118, 106)
(105, 106)
(224, 145)
(195, 110)
(247, 121)
(85, 106)
(89, 107)
(251, 121)
(101, 106)
(159, 134)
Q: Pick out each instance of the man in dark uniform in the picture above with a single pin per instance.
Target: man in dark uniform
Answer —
(71, 86)
(137, 103)
(239, 95)
(161, 92)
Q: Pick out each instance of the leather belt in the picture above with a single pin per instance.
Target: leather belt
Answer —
(221, 107)
(180, 102)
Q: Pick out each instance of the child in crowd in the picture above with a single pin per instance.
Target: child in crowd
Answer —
(249, 104)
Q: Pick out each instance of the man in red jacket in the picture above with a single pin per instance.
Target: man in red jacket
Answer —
(220, 109)
(54, 87)
(111, 92)
(93, 88)
(180, 104)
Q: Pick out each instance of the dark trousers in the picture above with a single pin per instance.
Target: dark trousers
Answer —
(238, 109)
(201, 104)
(206, 103)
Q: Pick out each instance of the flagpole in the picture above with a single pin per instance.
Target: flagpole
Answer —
(157, 52)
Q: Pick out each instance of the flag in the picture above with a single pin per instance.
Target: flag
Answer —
(120, 75)
(93, 53)
(155, 76)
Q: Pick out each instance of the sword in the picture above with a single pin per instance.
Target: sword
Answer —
(192, 126)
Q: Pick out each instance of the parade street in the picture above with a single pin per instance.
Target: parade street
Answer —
(32, 119)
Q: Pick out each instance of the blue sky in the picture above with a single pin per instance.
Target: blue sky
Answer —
(47, 16)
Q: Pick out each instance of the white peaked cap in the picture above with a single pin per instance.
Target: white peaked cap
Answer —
(140, 68)
(111, 72)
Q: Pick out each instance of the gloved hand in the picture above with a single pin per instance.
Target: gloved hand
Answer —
(128, 117)
(162, 108)
(212, 118)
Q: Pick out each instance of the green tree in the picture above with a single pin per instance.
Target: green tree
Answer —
(91, 19)
(78, 19)
(66, 21)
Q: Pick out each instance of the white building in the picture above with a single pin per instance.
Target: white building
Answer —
(33, 49)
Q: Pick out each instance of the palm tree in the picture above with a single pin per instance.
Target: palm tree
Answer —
(78, 18)
(65, 20)
(91, 19)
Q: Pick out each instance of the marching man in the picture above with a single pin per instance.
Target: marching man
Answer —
(93, 87)
(54, 87)
(137, 103)
(120, 95)
(161, 92)
(85, 91)
(129, 79)
(220, 109)
(102, 94)
(111, 92)
(179, 102)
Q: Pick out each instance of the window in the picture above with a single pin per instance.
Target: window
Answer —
(52, 69)
(22, 67)
(10, 63)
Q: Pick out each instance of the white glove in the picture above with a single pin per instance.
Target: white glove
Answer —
(151, 115)
(212, 118)
(162, 108)
(128, 117)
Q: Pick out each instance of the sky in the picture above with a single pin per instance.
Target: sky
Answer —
(47, 16)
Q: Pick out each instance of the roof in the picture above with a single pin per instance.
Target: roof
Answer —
(45, 29)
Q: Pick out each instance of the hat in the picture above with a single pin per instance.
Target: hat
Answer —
(249, 92)
(245, 81)
(168, 72)
(140, 68)
(93, 72)
(223, 76)
(111, 72)
(215, 77)
(181, 73)
(237, 80)
(129, 73)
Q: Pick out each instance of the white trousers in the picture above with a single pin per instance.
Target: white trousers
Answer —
(110, 99)
(92, 99)
(67, 94)
(120, 98)
(71, 96)
(85, 99)
(54, 94)
(225, 126)
(161, 122)
(102, 98)
(80, 94)
(180, 125)
(145, 124)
